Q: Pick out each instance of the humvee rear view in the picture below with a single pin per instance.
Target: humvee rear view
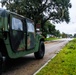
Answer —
(18, 37)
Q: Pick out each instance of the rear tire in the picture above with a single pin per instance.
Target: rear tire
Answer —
(1, 61)
(40, 53)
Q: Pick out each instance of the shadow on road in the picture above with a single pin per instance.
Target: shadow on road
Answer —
(13, 64)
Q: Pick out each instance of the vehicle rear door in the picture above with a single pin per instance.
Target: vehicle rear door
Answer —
(30, 34)
(17, 34)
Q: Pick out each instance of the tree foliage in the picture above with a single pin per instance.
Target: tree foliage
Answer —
(55, 10)
(50, 29)
(64, 35)
(74, 35)
(40, 11)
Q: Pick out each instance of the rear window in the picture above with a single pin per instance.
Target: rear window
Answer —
(30, 26)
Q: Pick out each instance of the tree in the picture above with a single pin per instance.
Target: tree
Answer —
(50, 29)
(64, 35)
(41, 10)
(75, 35)
(57, 33)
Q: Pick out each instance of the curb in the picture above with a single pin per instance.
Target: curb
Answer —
(44, 65)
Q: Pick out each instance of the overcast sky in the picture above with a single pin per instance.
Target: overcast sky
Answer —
(71, 27)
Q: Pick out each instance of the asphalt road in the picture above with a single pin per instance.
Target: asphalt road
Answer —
(28, 65)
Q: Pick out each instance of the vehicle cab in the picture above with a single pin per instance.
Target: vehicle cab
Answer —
(18, 37)
(18, 34)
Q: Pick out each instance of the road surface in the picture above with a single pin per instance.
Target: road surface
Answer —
(28, 65)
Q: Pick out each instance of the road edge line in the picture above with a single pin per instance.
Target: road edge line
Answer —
(44, 65)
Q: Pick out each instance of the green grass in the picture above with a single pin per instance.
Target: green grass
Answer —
(50, 39)
(64, 63)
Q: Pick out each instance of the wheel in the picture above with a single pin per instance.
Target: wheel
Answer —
(41, 51)
(1, 61)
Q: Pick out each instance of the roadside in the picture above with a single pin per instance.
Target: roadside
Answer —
(64, 63)
(28, 65)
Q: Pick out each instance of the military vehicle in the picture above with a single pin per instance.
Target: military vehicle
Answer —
(18, 37)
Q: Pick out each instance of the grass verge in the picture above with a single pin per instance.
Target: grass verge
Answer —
(50, 39)
(64, 63)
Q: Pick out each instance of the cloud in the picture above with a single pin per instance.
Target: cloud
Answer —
(67, 28)
(71, 27)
